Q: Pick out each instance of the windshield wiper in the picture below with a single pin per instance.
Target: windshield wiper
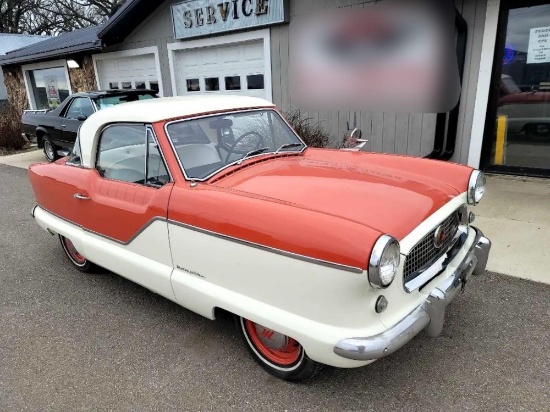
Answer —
(288, 146)
(252, 153)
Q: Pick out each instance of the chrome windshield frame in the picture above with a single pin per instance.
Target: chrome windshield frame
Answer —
(236, 163)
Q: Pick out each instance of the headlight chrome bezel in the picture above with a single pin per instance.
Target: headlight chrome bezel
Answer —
(380, 248)
(477, 179)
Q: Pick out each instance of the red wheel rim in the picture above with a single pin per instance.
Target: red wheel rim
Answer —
(77, 257)
(275, 347)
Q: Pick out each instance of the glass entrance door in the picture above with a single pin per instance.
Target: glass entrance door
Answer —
(517, 137)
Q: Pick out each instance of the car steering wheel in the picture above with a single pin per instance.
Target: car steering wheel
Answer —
(237, 141)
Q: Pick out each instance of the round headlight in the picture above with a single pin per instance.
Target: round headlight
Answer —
(384, 262)
(476, 187)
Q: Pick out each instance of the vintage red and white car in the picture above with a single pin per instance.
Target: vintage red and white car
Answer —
(323, 256)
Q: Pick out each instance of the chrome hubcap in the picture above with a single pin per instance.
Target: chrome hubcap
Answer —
(49, 150)
(271, 339)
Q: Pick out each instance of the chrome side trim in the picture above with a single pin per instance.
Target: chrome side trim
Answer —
(134, 236)
(270, 249)
(320, 262)
(429, 315)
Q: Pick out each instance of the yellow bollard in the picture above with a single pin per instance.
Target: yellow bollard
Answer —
(502, 129)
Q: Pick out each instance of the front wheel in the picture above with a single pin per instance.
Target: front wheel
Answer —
(78, 261)
(280, 355)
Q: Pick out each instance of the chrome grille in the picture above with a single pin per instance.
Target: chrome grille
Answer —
(424, 254)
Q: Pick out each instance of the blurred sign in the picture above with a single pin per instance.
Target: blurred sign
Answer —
(53, 92)
(539, 45)
(392, 56)
(193, 18)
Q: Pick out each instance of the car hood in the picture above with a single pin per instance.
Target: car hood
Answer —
(388, 193)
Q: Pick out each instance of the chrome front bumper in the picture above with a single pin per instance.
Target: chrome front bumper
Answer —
(429, 316)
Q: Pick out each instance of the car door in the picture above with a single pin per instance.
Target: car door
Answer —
(125, 208)
(78, 111)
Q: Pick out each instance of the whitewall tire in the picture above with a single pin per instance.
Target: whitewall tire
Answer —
(280, 355)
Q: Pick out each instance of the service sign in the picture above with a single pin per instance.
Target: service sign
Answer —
(194, 18)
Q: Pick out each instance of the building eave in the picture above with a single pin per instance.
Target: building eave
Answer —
(90, 47)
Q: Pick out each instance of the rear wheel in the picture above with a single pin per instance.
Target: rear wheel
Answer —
(278, 354)
(50, 151)
(78, 261)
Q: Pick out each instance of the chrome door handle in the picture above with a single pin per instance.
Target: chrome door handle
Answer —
(63, 125)
(80, 196)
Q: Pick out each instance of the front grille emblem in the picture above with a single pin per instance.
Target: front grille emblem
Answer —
(439, 237)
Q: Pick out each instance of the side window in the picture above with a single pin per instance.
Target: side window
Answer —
(122, 154)
(80, 106)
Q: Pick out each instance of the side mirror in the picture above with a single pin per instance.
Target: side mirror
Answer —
(82, 117)
(355, 137)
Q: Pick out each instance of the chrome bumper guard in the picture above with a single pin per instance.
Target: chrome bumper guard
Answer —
(428, 316)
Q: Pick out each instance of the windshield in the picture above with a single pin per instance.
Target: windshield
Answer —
(207, 145)
(108, 101)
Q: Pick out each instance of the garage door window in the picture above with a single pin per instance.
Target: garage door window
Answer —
(233, 83)
(212, 84)
(255, 82)
(193, 85)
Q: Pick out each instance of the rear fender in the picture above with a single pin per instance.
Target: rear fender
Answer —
(40, 132)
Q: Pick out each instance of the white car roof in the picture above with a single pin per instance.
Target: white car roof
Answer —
(155, 110)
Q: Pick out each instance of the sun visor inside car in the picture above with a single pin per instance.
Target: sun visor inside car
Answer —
(221, 124)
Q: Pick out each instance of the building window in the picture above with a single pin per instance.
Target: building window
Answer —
(255, 82)
(126, 85)
(48, 86)
(212, 84)
(113, 86)
(140, 85)
(193, 85)
(233, 83)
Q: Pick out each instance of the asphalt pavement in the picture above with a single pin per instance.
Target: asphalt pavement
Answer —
(72, 342)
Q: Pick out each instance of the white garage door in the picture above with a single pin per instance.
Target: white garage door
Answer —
(136, 72)
(237, 68)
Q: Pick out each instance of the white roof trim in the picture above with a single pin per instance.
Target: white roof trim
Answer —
(155, 110)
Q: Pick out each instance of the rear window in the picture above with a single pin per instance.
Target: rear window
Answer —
(108, 101)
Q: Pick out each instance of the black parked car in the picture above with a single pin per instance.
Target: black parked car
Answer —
(55, 130)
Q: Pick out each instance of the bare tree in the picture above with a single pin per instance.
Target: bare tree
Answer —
(53, 16)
